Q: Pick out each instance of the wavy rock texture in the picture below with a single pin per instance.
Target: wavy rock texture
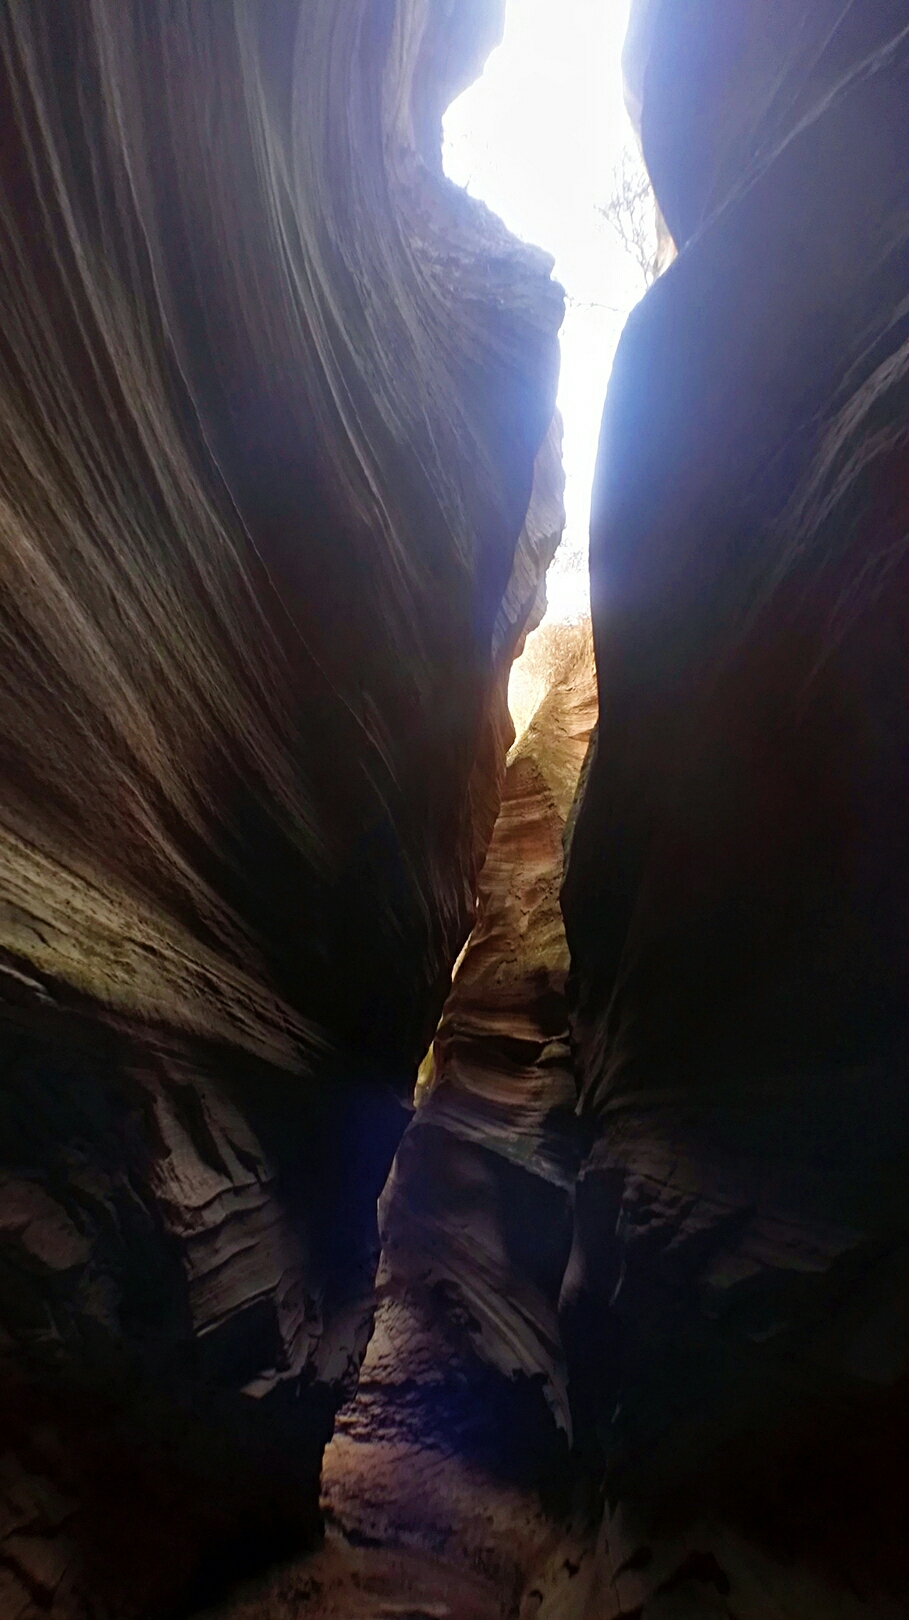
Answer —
(271, 392)
(736, 893)
(458, 1439)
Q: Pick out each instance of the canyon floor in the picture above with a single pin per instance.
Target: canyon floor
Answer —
(344, 1582)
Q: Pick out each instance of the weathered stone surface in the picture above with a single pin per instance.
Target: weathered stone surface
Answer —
(271, 394)
(345, 1582)
(735, 1308)
(458, 1440)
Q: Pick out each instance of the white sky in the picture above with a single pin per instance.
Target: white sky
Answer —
(537, 138)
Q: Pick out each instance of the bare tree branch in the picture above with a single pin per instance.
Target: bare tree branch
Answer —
(631, 211)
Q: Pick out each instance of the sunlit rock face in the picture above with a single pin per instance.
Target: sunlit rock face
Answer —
(458, 1440)
(735, 1310)
(271, 394)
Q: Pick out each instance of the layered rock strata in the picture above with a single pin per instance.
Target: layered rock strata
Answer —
(458, 1441)
(735, 1310)
(271, 394)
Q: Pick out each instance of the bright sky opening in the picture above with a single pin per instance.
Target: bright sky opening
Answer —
(538, 138)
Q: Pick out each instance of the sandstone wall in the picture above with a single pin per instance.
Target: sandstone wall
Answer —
(271, 394)
(735, 899)
(458, 1442)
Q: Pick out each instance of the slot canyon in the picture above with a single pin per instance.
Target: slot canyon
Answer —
(446, 1174)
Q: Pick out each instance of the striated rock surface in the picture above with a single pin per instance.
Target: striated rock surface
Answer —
(458, 1440)
(271, 394)
(735, 1309)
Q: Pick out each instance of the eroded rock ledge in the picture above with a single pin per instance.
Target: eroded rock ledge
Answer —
(271, 393)
(459, 1440)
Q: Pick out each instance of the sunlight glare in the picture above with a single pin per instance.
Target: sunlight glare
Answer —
(537, 138)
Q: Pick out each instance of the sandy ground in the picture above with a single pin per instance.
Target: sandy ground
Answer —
(342, 1582)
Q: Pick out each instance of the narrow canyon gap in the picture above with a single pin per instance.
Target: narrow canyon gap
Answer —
(280, 485)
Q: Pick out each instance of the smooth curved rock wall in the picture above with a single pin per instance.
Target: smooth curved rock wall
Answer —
(735, 898)
(271, 394)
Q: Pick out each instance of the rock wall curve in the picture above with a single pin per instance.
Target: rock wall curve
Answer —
(271, 395)
(734, 1311)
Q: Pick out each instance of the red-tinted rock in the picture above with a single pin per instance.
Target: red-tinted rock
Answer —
(458, 1440)
(271, 394)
